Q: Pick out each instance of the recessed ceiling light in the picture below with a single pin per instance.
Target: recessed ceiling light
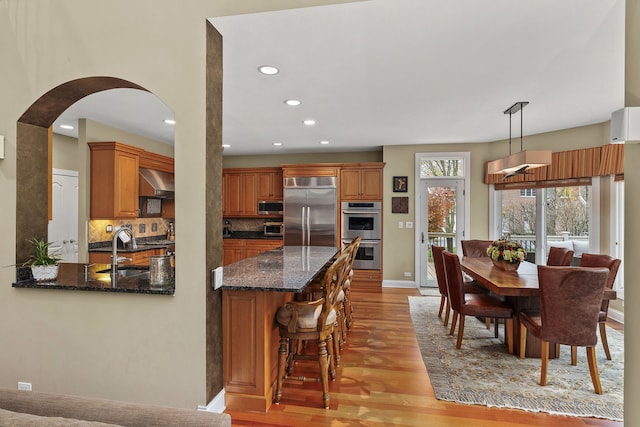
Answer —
(277, 144)
(66, 127)
(292, 102)
(309, 122)
(268, 69)
(324, 142)
(169, 121)
(226, 146)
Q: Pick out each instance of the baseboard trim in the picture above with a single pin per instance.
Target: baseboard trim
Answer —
(616, 315)
(216, 405)
(399, 284)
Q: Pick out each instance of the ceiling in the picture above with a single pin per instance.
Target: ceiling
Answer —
(396, 72)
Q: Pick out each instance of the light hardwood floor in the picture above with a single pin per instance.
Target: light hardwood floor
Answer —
(382, 381)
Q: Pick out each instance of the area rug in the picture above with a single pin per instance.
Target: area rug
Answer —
(482, 372)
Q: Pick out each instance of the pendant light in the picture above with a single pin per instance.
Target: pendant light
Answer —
(518, 163)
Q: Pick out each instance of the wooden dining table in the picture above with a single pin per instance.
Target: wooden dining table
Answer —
(519, 288)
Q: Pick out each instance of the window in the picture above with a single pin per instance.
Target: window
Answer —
(434, 167)
(545, 217)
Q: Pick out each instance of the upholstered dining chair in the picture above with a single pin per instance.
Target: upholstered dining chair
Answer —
(470, 287)
(311, 320)
(570, 299)
(477, 305)
(612, 264)
(559, 256)
(475, 248)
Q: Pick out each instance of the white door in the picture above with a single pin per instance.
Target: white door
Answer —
(63, 228)
(442, 221)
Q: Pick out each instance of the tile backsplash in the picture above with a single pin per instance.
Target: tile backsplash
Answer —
(142, 227)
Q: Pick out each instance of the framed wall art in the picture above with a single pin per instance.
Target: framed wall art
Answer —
(400, 184)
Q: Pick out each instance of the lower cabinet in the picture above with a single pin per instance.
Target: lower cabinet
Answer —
(137, 258)
(234, 250)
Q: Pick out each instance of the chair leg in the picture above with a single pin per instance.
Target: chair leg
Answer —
(487, 322)
(574, 355)
(496, 323)
(557, 350)
(348, 310)
(523, 340)
(508, 333)
(544, 356)
(454, 320)
(460, 331)
(442, 301)
(336, 344)
(593, 369)
(603, 338)
(282, 366)
(447, 312)
(329, 354)
(325, 363)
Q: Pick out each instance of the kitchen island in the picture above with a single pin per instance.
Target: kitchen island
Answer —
(253, 290)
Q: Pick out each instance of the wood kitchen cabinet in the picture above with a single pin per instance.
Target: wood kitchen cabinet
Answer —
(239, 193)
(234, 250)
(137, 258)
(256, 247)
(270, 186)
(114, 180)
(362, 182)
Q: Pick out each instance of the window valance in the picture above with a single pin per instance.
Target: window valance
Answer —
(570, 165)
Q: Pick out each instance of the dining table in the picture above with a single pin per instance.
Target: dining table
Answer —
(520, 288)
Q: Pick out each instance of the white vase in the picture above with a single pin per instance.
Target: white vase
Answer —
(43, 273)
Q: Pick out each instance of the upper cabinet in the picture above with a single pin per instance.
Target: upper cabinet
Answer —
(361, 182)
(239, 193)
(269, 184)
(114, 180)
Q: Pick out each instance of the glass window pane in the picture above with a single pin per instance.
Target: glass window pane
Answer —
(519, 219)
(567, 218)
(443, 167)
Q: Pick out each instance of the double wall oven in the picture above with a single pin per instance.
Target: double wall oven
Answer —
(363, 219)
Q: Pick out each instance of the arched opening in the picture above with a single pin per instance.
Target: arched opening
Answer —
(33, 145)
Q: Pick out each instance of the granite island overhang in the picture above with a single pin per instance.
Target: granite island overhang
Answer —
(252, 291)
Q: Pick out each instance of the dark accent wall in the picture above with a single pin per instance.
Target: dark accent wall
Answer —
(214, 209)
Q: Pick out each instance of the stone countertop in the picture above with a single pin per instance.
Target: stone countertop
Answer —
(71, 277)
(286, 269)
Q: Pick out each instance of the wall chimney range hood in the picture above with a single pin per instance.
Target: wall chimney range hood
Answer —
(155, 183)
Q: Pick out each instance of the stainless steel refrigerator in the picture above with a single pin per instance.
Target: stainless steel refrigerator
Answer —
(310, 211)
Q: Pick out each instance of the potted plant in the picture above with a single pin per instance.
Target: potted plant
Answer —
(506, 254)
(44, 266)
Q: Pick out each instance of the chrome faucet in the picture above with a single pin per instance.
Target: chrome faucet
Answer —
(114, 250)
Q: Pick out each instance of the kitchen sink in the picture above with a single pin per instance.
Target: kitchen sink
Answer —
(137, 271)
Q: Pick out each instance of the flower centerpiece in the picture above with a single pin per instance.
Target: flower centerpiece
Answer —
(506, 254)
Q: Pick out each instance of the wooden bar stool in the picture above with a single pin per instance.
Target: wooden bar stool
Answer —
(311, 320)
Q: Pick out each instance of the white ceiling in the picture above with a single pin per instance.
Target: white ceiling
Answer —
(394, 72)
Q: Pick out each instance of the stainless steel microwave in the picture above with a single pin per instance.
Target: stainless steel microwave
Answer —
(270, 207)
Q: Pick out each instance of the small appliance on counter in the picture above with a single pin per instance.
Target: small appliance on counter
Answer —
(226, 230)
(273, 228)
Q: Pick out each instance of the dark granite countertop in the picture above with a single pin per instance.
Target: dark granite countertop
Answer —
(259, 235)
(72, 277)
(286, 269)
